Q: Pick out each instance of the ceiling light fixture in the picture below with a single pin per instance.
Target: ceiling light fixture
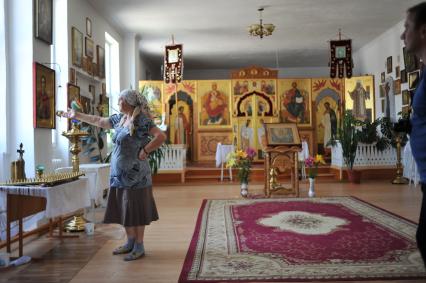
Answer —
(261, 29)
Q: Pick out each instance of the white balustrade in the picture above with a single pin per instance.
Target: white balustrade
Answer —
(174, 160)
(367, 156)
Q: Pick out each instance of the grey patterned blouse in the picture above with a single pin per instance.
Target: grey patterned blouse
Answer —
(127, 170)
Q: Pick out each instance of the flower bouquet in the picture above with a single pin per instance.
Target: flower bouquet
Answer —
(312, 164)
(242, 160)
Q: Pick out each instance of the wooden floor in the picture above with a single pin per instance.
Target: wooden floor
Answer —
(89, 259)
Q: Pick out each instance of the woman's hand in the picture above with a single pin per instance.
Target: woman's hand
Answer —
(143, 154)
(70, 114)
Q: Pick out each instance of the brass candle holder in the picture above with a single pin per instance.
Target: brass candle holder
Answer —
(399, 178)
(74, 135)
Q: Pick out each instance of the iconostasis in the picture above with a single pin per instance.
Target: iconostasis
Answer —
(235, 111)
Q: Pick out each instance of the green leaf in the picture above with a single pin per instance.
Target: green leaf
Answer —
(155, 158)
(100, 142)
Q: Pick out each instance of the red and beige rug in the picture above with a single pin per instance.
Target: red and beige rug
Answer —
(339, 238)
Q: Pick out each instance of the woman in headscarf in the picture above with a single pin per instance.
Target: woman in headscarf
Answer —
(130, 200)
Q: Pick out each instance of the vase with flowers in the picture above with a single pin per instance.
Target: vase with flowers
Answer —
(312, 164)
(242, 160)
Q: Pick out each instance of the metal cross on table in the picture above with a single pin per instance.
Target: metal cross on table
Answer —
(20, 151)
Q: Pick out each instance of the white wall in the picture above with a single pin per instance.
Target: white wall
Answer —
(19, 48)
(3, 98)
(145, 68)
(225, 74)
(304, 72)
(137, 63)
(77, 12)
(23, 49)
(131, 59)
(371, 59)
(43, 137)
(206, 74)
(60, 56)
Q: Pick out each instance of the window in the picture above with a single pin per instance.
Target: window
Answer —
(112, 75)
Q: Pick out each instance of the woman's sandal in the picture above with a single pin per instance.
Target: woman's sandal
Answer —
(122, 250)
(134, 255)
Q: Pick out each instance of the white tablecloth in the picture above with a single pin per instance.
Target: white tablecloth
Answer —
(98, 175)
(304, 153)
(61, 199)
(222, 151)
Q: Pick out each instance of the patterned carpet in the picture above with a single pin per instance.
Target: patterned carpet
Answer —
(269, 240)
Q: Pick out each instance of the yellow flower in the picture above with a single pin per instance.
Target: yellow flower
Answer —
(231, 160)
(230, 163)
(319, 159)
(241, 154)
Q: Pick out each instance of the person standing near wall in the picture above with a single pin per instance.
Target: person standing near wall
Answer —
(414, 37)
(130, 199)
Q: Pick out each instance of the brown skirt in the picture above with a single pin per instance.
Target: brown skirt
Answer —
(131, 207)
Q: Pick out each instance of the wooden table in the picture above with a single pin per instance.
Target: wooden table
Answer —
(23, 201)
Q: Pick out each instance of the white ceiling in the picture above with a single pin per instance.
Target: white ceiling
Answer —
(214, 32)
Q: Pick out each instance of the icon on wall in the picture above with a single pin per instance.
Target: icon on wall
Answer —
(44, 97)
(43, 20)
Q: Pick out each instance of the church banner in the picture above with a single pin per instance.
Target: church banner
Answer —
(173, 64)
(341, 58)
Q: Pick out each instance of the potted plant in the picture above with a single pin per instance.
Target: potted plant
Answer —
(242, 160)
(349, 138)
(155, 157)
(369, 135)
(397, 133)
(402, 127)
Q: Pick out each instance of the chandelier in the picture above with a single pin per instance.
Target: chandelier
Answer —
(261, 29)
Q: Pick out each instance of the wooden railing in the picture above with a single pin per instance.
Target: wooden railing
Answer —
(174, 160)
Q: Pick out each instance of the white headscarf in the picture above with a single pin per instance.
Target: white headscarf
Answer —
(133, 98)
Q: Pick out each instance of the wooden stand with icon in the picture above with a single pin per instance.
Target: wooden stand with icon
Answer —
(282, 160)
